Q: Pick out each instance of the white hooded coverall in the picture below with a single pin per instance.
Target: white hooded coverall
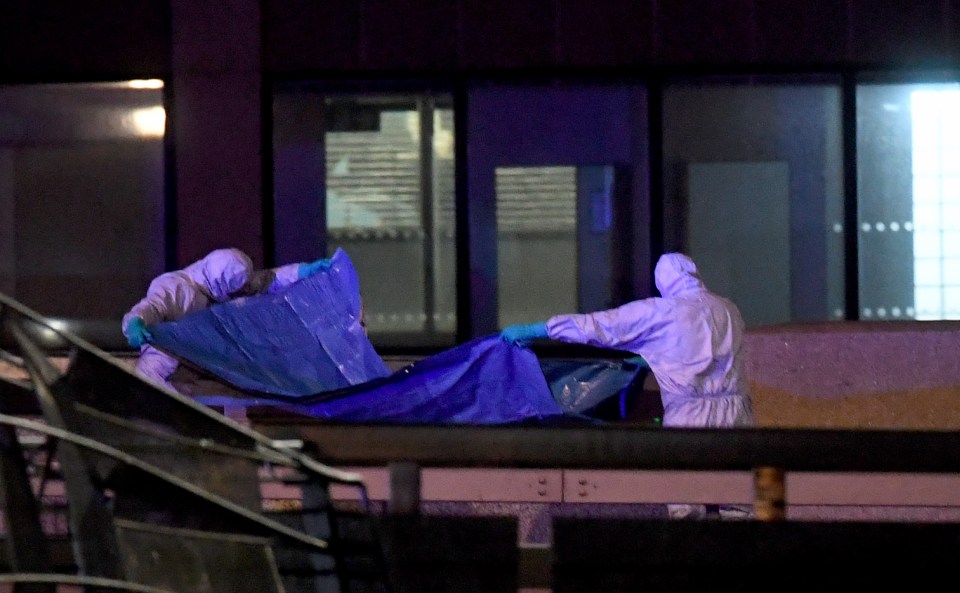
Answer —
(691, 338)
(221, 275)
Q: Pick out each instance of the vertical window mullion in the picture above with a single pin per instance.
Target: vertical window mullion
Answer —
(428, 209)
(851, 245)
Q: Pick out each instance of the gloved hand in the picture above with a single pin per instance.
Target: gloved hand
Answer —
(520, 333)
(307, 270)
(137, 333)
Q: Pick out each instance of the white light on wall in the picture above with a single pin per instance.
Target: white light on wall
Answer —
(148, 122)
(151, 83)
(936, 169)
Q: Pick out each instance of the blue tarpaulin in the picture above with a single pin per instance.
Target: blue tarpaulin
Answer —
(304, 339)
(304, 348)
(483, 381)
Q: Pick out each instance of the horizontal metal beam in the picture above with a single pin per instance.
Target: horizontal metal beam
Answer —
(625, 447)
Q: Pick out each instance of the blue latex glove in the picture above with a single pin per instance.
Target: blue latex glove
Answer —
(307, 270)
(520, 333)
(137, 333)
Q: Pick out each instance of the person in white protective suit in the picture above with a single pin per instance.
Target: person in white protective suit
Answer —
(220, 276)
(692, 340)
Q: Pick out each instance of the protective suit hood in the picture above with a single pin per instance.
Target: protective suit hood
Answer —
(222, 272)
(676, 274)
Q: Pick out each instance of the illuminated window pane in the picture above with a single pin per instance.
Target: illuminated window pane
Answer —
(951, 216)
(397, 225)
(936, 161)
(925, 132)
(927, 244)
(373, 178)
(951, 302)
(948, 121)
(928, 191)
(950, 188)
(378, 169)
(926, 215)
(950, 162)
(536, 209)
(951, 275)
(927, 272)
(926, 162)
(928, 302)
(950, 246)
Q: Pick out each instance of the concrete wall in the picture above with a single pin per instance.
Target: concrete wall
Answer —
(871, 375)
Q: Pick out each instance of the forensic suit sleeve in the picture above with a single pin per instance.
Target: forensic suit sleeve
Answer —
(169, 297)
(626, 327)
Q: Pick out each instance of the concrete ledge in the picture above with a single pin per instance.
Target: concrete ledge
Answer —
(659, 487)
(884, 374)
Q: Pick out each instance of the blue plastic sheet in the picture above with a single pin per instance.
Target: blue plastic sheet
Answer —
(304, 349)
(305, 339)
(580, 386)
(484, 381)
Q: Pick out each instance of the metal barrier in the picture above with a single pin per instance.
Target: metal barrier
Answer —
(771, 454)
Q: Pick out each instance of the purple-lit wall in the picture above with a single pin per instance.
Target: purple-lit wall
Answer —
(902, 375)
(220, 57)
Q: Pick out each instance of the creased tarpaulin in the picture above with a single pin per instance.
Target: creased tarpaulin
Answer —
(304, 346)
(579, 386)
(482, 381)
(304, 339)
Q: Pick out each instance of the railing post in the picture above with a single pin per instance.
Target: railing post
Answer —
(404, 488)
(769, 501)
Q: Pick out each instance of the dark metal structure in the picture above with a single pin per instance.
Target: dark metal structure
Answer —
(623, 446)
(162, 492)
(165, 492)
(624, 555)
